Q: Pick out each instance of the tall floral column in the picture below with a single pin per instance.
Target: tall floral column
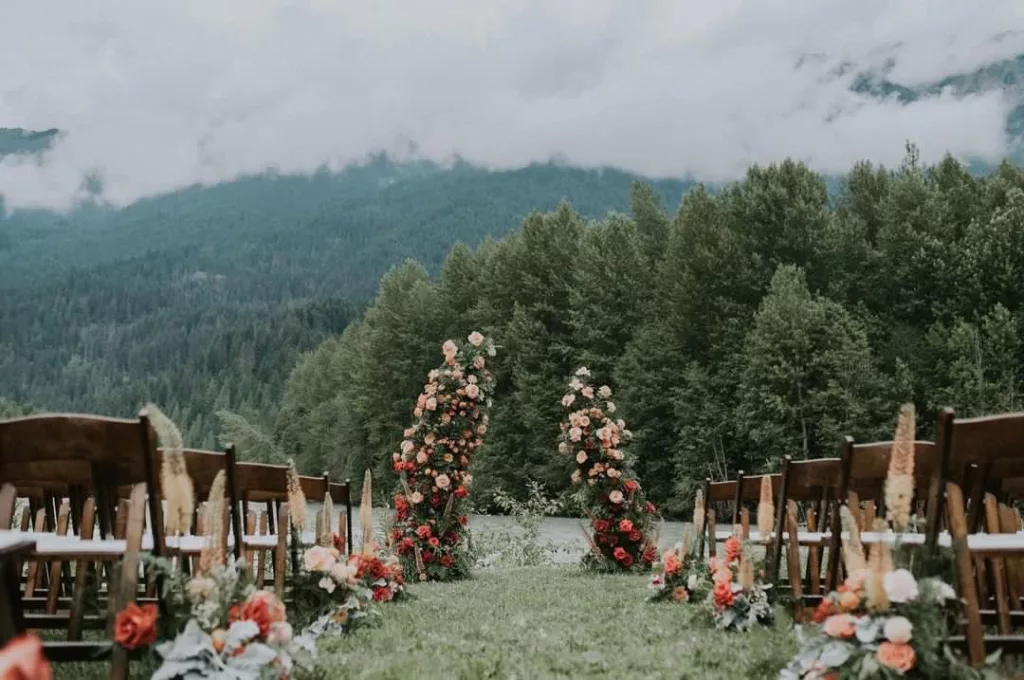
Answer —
(611, 495)
(433, 465)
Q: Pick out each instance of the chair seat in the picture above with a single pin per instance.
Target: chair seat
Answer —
(52, 545)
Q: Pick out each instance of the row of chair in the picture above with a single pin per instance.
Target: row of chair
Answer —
(966, 484)
(65, 478)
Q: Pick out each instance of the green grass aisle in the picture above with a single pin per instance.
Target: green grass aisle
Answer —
(548, 622)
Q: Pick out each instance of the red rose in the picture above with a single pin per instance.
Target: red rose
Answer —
(620, 554)
(463, 520)
(723, 594)
(401, 504)
(262, 608)
(650, 554)
(627, 561)
(625, 526)
(377, 569)
(451, 537)
(423, 531)
(611, 539)
(434, 541)
(406, 545)
(631, 485)
(382, 594)
(635, 536)
(461, 492)
(428, 556)
(651, 509)
(600, 525)
(135, 626)
(447, 561)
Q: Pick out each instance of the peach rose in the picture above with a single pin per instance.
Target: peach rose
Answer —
(581, 457)
(472, 391)
(476, 339)
(605, 391)
(841, 626)
(479, 363)
(615, 496)
(416, 498)
(722, 575)
(319, 558)
(588, 392)
(568, 399)
(575, 434)
(679, 594)
(442, 481)
(900, 657)
(849, 601)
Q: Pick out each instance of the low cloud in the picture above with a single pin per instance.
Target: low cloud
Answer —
(154, 96)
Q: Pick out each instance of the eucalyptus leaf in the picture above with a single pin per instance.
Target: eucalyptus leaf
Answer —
(868, 629)
(835, 654)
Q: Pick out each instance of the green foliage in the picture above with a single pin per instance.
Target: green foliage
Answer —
(521, 548)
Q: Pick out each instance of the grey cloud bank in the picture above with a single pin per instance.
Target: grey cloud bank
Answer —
(159, 95)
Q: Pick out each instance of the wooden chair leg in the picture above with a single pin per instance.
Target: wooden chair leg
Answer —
(793, 561)
(53, 592)
(82, 569)
(972, 613)
(998, 567)
(813, 565)
(124, 589)
(32, 575)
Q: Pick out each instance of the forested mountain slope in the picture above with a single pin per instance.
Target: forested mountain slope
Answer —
(202, 299)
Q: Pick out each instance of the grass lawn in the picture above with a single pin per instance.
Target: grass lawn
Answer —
(554, 622)
(551, 622)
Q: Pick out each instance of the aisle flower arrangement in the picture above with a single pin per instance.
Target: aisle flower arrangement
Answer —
(23, 658)
(329, 595)
(882, 621)
(621, 517)
(382, 576)
(430, 526)
(217, 623)
(680, 576)
(738, 601)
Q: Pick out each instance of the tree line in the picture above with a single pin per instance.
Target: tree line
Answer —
(763, 320)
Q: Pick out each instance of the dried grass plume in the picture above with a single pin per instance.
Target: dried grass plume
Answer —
(366, 513)
(853, 551)
(296, 499)
(899, 483)
(765, 509)
(214, 551)
(698, 508)
(324, 529)
(175, 483)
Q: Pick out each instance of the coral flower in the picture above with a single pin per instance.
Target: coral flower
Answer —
(679, 594)
(898, 656)
(732, 548)
(136, 626)
(625, 526)
(840, 626)
(672, 563)
(722, 575)
(723, 596)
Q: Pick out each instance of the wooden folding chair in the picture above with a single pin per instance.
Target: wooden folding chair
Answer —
(87, 457)
(985, 456)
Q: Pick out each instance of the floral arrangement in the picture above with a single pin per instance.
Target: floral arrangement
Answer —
(22, 658)
(216, 625)
(433, 464)
(882, 621)
(737, 601)
(680, 576)
(620, 515)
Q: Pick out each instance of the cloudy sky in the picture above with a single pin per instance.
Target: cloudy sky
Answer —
(156, 95)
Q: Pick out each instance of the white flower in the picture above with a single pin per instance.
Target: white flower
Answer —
(280, 633)
(201, 587)
(605, 391)
(692, 582)
(343, 572)
(568, 399)
(611, 407)
(416, 498)
(581, 457)
(583, 371)
(945, 591)
(575, 433)
(898, 629)
(476, 339)
(575, 384)
(407, 447)
(900, 586)
(563, 447)
(327, 584)
(491, 351)
(615, 496)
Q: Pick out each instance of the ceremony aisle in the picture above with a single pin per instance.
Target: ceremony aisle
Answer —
(551, 622)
